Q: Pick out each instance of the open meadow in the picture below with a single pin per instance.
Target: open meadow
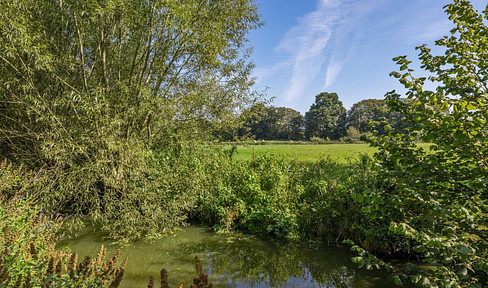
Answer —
(342, 153)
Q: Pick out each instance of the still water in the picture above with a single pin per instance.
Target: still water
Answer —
(231, 261)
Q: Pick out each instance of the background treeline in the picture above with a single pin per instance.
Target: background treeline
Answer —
(327, 119)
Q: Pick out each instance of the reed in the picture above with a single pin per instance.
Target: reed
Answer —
(201, 281)
(27, 241)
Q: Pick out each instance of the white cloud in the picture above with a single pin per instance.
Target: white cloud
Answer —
(332, 29)
(306, 43)
(333, 70)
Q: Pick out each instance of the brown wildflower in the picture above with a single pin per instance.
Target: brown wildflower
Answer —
(72, 265)
(33, 251)
(164, 278)
(28, 280)
(18, 282)
(151, 282)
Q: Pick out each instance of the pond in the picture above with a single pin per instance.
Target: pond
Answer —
(231, 260)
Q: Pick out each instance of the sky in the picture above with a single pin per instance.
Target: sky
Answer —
(345, 46)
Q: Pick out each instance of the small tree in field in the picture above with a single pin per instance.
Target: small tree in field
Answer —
(436, 202)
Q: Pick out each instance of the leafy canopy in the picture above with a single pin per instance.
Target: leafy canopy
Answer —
(436, 201)
(92, 90)
(325, 117)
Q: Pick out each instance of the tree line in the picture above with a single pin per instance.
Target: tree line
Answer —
(326, 119)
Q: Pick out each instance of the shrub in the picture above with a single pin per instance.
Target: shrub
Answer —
(27, 243)
(435, 201)
(318, 140)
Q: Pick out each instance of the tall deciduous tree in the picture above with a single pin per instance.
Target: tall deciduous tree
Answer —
(375, 112)
(87, 88)
(326, 117)
(366, 111)
(292, 124)
(273, 123)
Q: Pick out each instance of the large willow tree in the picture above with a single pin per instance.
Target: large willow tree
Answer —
(90, 89)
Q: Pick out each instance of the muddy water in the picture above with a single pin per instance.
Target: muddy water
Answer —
(232, 261)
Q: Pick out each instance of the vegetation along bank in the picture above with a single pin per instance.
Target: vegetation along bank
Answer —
(112, 104)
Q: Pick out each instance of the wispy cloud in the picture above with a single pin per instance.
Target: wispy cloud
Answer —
(332, 72)
(306, 44)
(420, 33)
(324, 38)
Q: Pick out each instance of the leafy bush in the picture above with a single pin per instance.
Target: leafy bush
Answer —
(27, 243)
(318, 140)
(436, 201)
(278, 198)
(365, 136)
(352, 135)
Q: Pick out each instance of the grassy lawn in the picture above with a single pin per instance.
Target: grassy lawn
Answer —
(342, 153)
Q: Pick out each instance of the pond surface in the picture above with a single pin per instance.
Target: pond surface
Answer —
(231, 261)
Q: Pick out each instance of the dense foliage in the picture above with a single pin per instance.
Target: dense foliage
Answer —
(372, 115)
(437, 200)
(28, 257)
(269, 122)
(90, 91)
(326, 117)
(270, 196)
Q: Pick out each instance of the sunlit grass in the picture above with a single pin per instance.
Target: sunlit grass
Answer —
(342, 153)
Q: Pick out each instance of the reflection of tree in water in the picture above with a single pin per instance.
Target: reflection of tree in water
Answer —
(250, 262)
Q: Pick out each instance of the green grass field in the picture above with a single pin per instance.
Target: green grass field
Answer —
(342, 153)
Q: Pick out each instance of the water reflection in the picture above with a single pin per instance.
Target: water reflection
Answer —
(233, 261)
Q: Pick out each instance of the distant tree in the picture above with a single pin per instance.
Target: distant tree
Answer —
(274, 123)
(376, 112)
(251, 121)
(295, 123)
(366, 111)
(289, 123)
(326, 117)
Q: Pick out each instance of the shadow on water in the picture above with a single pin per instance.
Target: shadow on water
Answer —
(232, 261)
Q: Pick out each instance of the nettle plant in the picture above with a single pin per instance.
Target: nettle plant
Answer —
(436, 201)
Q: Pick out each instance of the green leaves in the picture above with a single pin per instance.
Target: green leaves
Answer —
(326, 117)
(91, 89)
(431, 201)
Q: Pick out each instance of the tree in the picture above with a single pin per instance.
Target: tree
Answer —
(374, 112)
(366, 111)
(273, 123)
(435, 203)
(325, 117)
(293, 124)
(90, 89)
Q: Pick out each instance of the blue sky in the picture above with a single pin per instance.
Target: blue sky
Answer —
(343, 46)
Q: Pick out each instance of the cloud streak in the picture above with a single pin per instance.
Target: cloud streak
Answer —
(322, 40)
(306, 43)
